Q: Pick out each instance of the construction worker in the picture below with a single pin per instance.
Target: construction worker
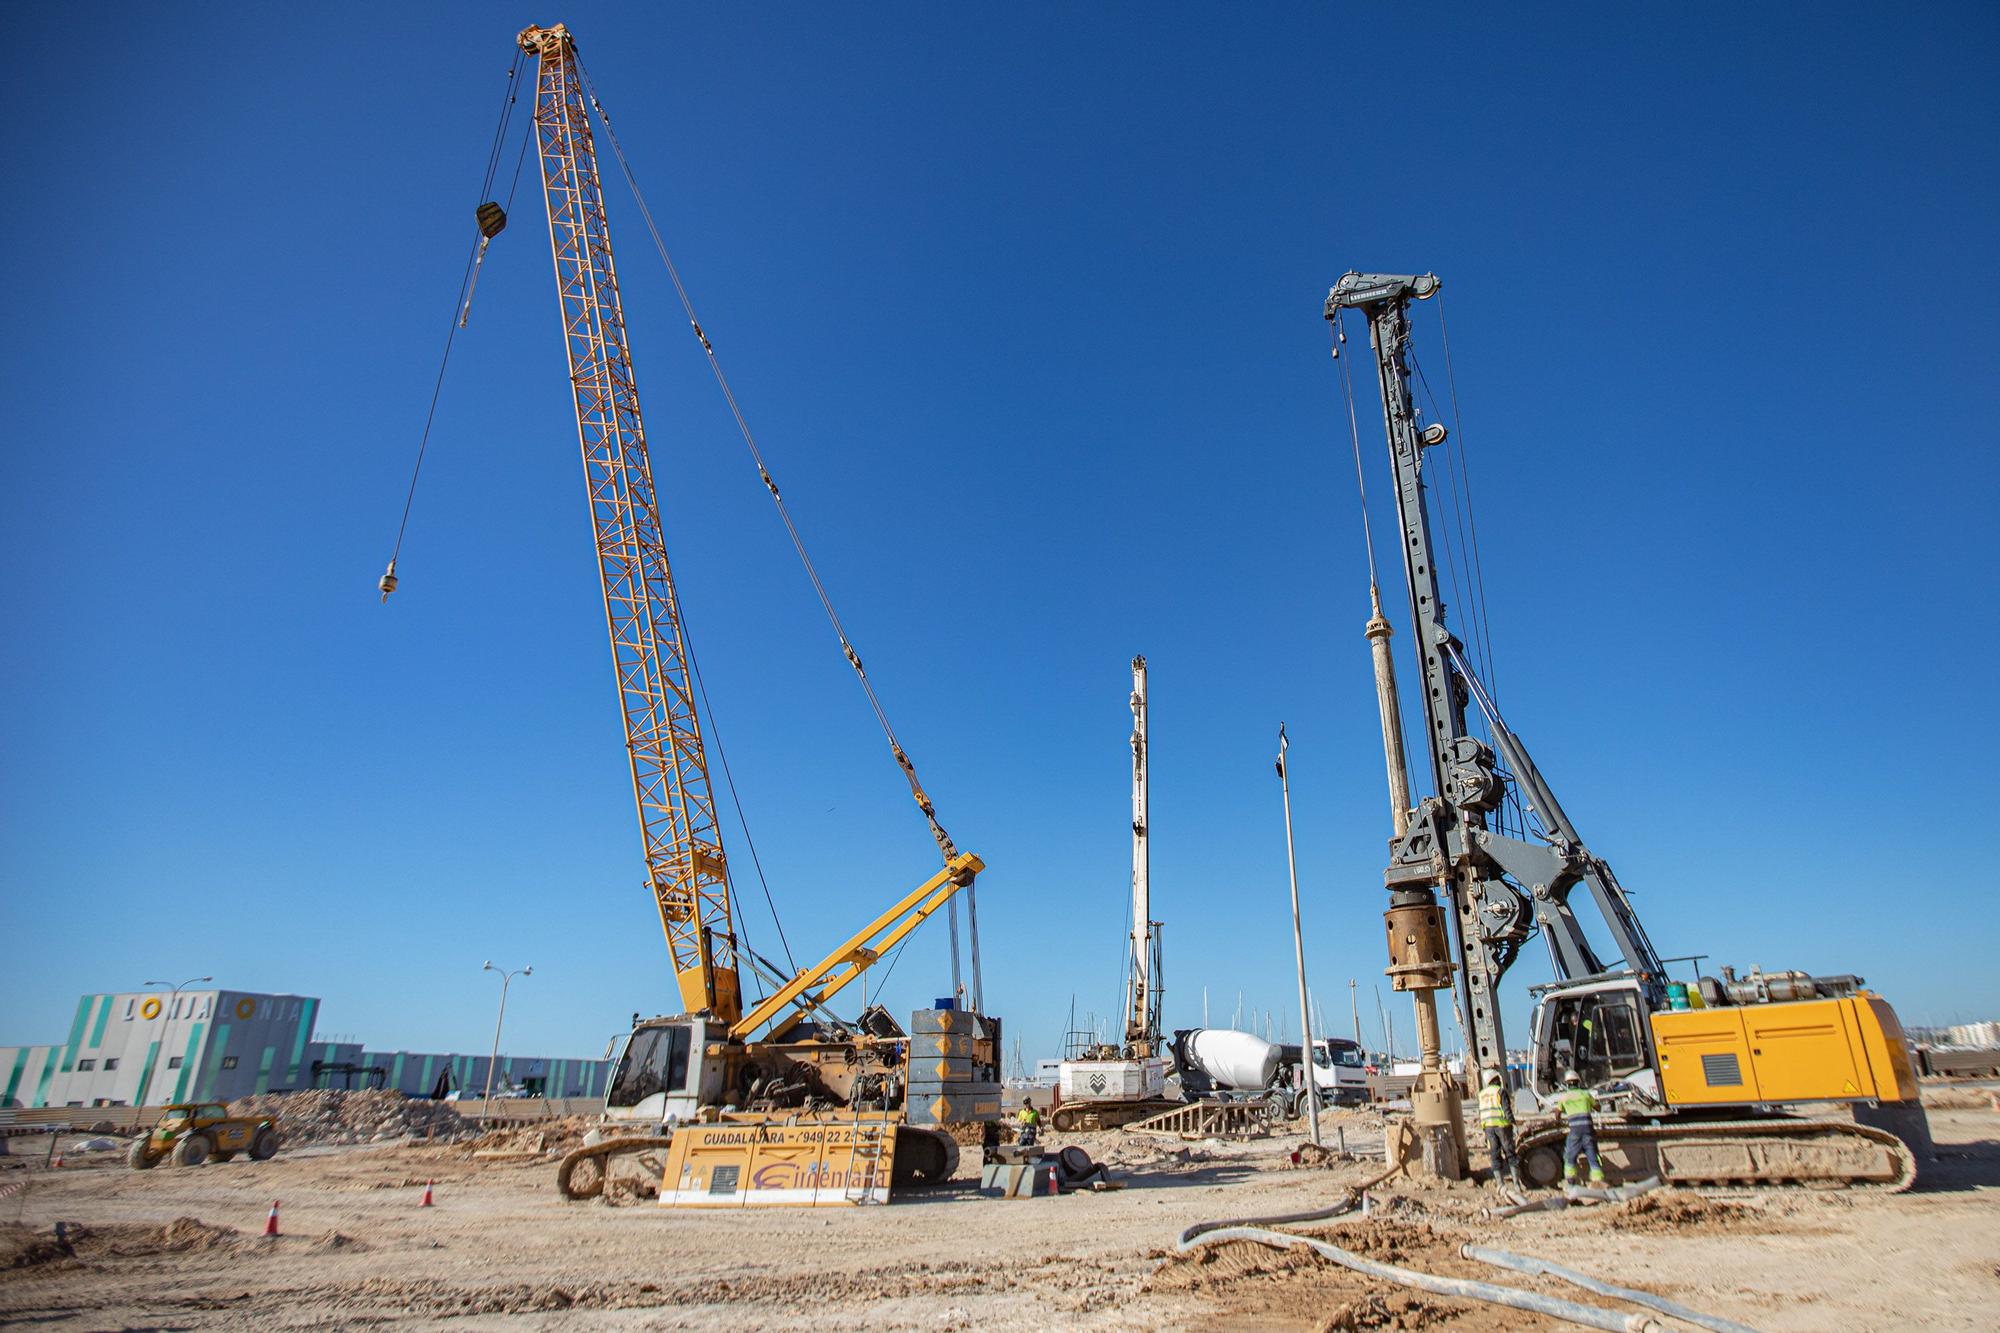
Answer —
(1576, 1102)
(1498, 1121)
(1028, 1124)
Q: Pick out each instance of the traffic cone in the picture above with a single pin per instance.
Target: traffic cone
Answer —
(426, 1201)
(58, 1162)
(271, 1222)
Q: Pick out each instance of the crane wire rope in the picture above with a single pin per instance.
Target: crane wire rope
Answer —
(729, 779)
(902, 758)
(461, 307)
(1458, 573)
(1354, 433)
(493, 157)
(1472, 512)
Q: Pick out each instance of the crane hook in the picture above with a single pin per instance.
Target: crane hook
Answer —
(387, 583)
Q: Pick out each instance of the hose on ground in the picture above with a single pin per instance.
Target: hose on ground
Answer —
(1522, 1263)
(1344, 1204)
(1589, 1316)
(1613, 1193)
(1578, 1194)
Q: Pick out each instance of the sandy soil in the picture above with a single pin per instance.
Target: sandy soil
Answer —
(181, 1248)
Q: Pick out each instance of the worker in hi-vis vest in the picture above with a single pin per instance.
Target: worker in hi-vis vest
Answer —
(1029, 1125)
(1497, 1120)
(1576, 1102)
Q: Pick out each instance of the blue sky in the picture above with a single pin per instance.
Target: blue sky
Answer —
(1024, 305)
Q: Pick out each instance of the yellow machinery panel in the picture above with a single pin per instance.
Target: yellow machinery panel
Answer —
(809, 1163)
(1704, 1059)
(1849, 1049)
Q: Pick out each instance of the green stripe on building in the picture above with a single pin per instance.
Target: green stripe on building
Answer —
(187, 1060)
(299, 1042)
(396, 1071)
(209, 1070)
(76, 1031)
(97, 1032)
(14, 1078)
(264, 1069)
(146, 1074)
(56, 1060)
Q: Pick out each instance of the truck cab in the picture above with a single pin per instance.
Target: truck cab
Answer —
(1340, 1069)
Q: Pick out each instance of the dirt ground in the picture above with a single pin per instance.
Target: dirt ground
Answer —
(98, 1246)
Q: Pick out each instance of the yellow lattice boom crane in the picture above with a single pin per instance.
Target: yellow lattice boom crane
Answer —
(782, 1103)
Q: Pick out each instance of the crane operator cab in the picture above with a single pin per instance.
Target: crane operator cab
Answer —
(659, 1079)
(1600, 1029)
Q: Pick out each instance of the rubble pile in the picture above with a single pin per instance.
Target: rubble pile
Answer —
(553, 1136)
(321, 1116)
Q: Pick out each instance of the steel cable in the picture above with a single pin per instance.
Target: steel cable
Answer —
(901, 756)
(458, 301)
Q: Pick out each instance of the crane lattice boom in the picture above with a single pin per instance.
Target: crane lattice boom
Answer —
(684, 858)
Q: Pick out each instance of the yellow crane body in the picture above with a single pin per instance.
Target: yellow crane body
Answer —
(1846, 1049)
(785, 1103)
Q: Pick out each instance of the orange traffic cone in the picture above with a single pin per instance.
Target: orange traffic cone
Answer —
(426, 1202)
(58, 1162)
(271, 1222)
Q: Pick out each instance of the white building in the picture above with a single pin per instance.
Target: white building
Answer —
(149, 1048)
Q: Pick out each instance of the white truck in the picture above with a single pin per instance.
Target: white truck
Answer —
(1223, 1063)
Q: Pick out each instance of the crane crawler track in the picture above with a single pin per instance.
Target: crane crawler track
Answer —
(1738, 1153)
(582, 1172)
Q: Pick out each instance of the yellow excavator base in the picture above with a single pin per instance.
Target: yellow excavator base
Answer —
(806, 1164)
(1848, 1049)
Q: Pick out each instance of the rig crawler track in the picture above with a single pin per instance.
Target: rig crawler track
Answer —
(1736, 1153)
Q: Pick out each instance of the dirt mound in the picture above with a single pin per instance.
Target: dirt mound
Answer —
(332, 1116)
(338, 1240)
(552, 1137)
(974, 1135)
(191, 1233)
(1962, 1099)
(73, 1242)
(1316, 1155)
(26, 1247)
(1258, 1282)
(1677, 1210)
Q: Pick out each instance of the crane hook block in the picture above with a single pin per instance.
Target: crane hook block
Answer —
(492, 219)
(387, 583)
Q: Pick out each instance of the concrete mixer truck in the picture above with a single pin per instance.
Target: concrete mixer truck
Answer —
(1226, 1065)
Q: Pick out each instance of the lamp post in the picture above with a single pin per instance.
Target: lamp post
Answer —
(506, 980)
(166, 1013)
(1306, 1067)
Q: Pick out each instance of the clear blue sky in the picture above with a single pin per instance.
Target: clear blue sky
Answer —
(1025, 306)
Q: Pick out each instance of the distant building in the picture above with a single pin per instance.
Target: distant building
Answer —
(1980, 1035)
(148, 1048)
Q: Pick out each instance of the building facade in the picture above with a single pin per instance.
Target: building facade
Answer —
(149, 1048)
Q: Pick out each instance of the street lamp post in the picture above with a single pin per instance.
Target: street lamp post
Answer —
(506, 980)
(166, 1014)
(1299, 946)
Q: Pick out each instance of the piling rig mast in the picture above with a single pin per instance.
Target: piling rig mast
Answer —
(1143, 990)
(1673, 1067)
(1105, 1085)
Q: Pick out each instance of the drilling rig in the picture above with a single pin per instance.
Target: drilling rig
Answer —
(1702, 1081)
(781, 1102)
(1109, 1085)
